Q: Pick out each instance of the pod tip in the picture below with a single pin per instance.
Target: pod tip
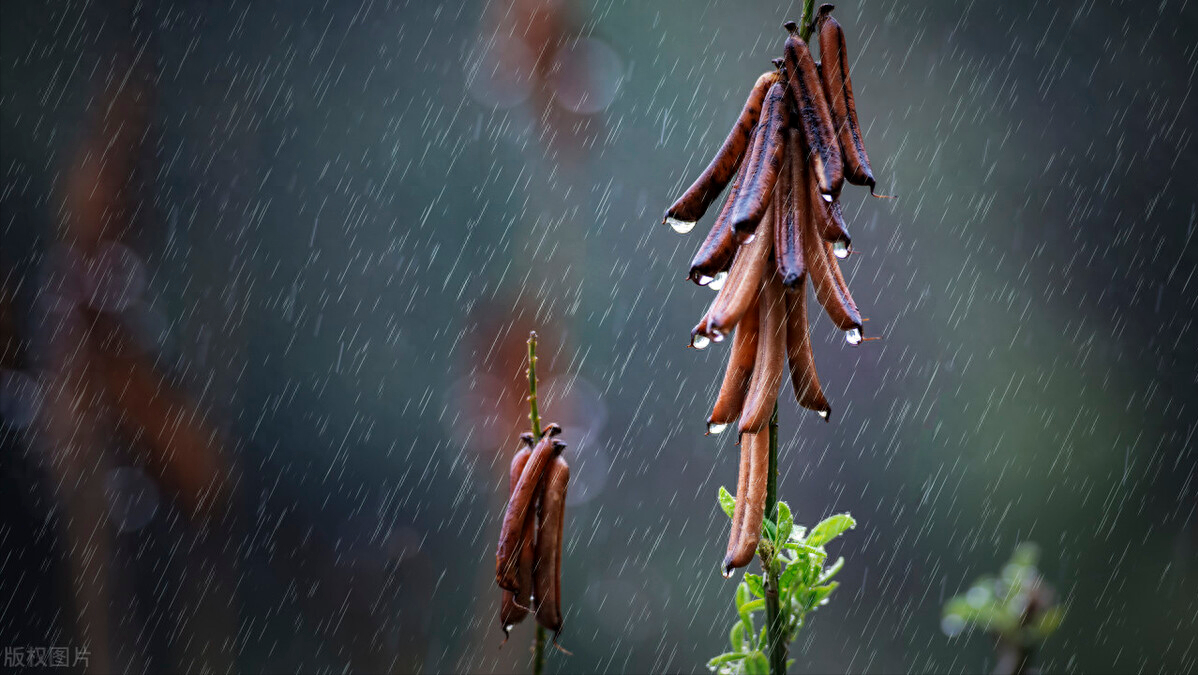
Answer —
(791, 27)
(792, 280)
(528, 439)
(552, 429)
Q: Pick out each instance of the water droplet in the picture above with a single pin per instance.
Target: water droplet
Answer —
(716, 427)
(827, 198)
(699, 341)
(841, 248)
(822, 413)
(727, 572)
(852, 336)
(508, 628)
(680, 226)
(718, 282)
(716, 336)
(952, 624)
(748, 239)
(705, 280)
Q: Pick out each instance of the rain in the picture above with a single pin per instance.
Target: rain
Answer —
(268, 272)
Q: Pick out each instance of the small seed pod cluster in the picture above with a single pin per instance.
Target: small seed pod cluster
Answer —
(796, 142)
(528, 562)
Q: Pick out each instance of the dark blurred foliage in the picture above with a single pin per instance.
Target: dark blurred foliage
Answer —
(347, 217)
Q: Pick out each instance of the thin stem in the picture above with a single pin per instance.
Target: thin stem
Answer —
(775, 635)
(534, 416)
(805, 27)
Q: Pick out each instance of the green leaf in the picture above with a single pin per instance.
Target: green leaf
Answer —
(756, 664)
(742, 595)
(755, 585)
(727, 657)
(786, 582)
(737, 636)
(821, 593)
(768, 529)
(830, 528)
(786, 523)
(831, 571)
(727, 502)
(754, 606)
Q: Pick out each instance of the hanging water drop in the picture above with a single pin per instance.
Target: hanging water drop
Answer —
(716, 336)
(841, 248)
(705, 280)
(700, 341)
(822, 413)
(716, 427)
(827, 198)
(853, 336)
(718, 281)
(680, 226)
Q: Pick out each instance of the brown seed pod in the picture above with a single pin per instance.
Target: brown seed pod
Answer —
(745, 467)
(744, 279)
(838, 87)
(841, 285)
(757, 189)
(693, 203)
(829, 218)
(800, 357)
(820, 267)
(716, 252)
(737, 374)
(814, 118)
(771, 357)
(519, 506)
(788, 246)
(750, 501)
(514, 606)
(547, 571)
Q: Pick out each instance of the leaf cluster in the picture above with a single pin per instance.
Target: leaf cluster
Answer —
(798, 560)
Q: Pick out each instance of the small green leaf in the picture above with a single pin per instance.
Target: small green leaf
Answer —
(727, 502)
(742, 595)
(831, 571)
(756, 664)
(754, 605)
(821, 594)
(737, 636)
(727, 657)
(830, 528)
(755, 585)
(786, 523)
(768, 529)
(787, 581)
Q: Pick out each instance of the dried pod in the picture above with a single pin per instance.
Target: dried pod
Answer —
(771, 357)
(691, 206)
(814, 118)
(738, 373)
(838, 87)
(788, 243)
(744, 279)
(757, 189)
(750, 501)
(514, 606)
(800, 356)
(518, 509)
(820, 267)
(716, 252)
(547, 570)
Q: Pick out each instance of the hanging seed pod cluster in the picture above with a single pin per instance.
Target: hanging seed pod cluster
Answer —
(795, 144)
(528, 562)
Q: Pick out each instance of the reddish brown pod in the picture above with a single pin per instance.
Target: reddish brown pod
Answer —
(814, 119)
(519, 507)
(838, 86)
(757, 191)
(693, 203)
(547, 569)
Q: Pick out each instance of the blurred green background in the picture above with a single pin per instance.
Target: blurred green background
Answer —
(351, 215)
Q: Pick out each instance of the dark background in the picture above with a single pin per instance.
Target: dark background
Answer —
(346, 243)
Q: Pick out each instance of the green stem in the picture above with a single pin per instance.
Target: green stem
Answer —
(534, 416)
(775, 635)
(805, 27)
